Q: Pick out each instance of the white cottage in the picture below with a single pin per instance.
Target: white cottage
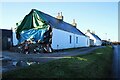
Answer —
(64, 35)
(94, 39)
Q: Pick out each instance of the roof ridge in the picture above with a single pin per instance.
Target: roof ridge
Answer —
(61, 21)
(96, 36)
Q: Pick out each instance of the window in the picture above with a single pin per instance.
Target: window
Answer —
(77, 40)
(70, 39)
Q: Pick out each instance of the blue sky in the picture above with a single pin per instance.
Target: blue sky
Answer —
(101, 17)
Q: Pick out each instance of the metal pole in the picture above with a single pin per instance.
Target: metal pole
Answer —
(106, 36)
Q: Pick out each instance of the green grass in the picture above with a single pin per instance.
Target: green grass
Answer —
(97, 64)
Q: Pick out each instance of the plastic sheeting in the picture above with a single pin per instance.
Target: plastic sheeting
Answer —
(34, 24)
(36, 19)
(36, 34)
(30, 21)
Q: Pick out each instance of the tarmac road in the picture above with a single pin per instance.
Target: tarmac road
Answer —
(59, 54)
(43, 57)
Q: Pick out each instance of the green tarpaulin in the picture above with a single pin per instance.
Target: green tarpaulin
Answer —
(33, 20)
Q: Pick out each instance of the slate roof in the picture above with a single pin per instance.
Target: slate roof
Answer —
(54, 22)
(59, 24)
(96, 36)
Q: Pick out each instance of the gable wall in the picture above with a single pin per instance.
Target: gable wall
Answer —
(91, 37)
(96, 41)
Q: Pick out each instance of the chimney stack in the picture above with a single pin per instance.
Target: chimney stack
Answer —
(74, 23)
(60, 17)
(88, 30)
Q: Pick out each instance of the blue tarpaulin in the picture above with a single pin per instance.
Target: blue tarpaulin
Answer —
(36, 34)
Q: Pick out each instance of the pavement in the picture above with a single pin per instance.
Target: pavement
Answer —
(41, 58)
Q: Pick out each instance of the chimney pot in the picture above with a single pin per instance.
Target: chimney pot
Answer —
(60, 17)
(73, 20)
(88, 30)
(61, 13)
(74, 23)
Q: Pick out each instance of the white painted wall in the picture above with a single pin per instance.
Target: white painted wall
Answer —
(61, 40)
(96, 41)
(90, 36)
(82, 41)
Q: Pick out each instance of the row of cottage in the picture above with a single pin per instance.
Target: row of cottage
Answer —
(64, 35)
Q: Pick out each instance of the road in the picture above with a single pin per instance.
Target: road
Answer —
(59, 54)
(43, 57)
(116, 62)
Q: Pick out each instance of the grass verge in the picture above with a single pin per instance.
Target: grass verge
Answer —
(97, 64)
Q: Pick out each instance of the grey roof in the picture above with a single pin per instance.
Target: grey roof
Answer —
(59, 24)
(96, 36)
